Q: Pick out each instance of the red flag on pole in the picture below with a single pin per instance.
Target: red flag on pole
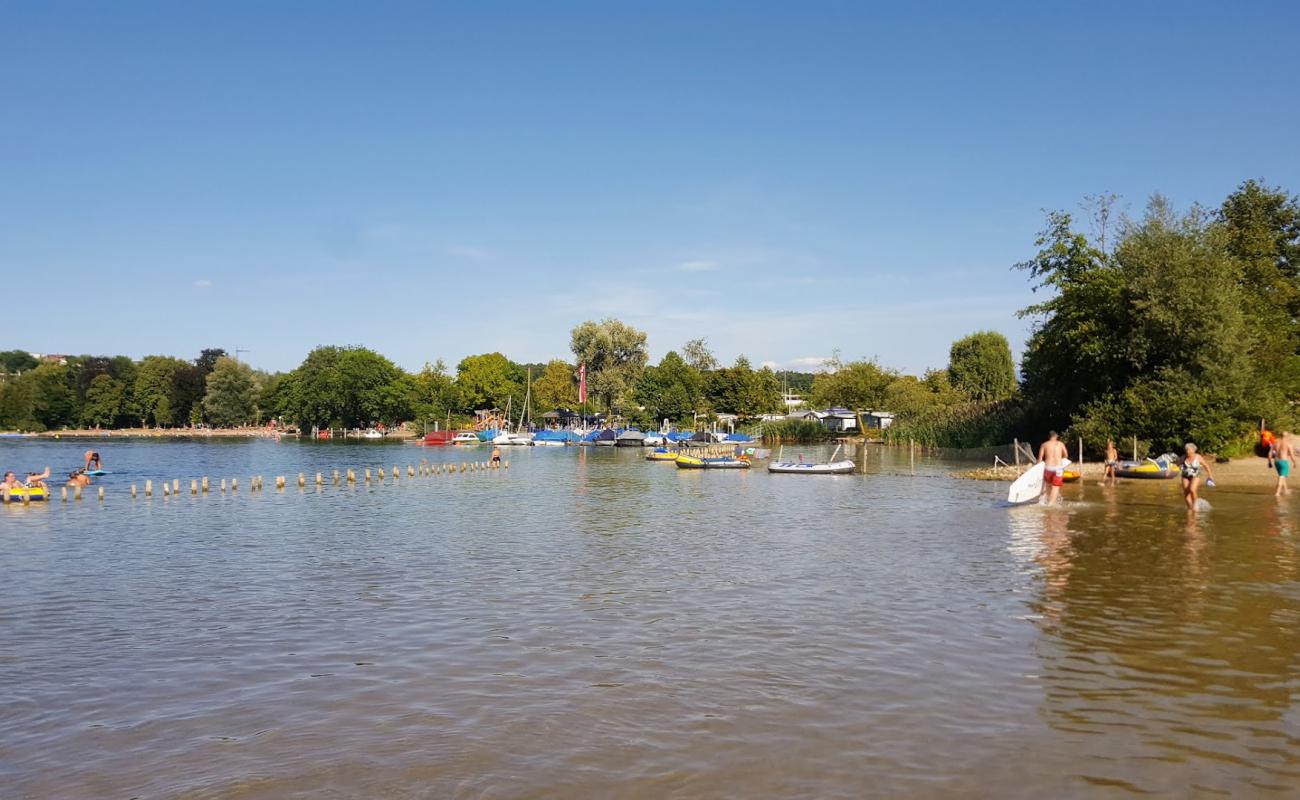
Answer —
(582, 383)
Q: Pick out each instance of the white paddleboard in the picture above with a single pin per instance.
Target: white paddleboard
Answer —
(1027, 487)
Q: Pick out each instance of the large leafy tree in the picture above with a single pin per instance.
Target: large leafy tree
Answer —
(853, 384)
(231, 397)
(345, 386)
(556, 386)
(981, 366)
(486, 381)
(435, 396)
(15, 361)
(672, 390)
(1156, 340)
(105, 401)
(154, 396)
(615, 354)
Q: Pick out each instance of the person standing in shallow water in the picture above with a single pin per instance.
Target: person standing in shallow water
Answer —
(1112, 462)
(1191, 474)
(496, 455)
(1284, 450)
(1052, 455)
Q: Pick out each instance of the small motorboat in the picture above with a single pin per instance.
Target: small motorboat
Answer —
(33, 493)
(630, 438)
(466, 439)
(556, 438)
(372, 434)
(661, 455)
(727, 462)
(519, 439)
(1161, 468)
(605, 437)
(436, 438)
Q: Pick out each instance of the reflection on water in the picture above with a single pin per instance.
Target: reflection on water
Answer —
(589, 624)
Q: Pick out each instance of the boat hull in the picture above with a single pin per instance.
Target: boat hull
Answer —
(797, 468)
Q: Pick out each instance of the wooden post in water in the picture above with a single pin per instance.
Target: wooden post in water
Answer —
(302, 480)
(166, 489)
(505, 464)
(410, 471)
(148, 488)
(204, 485)
(223, 485)
(367, 474)
(336, 477)
(133, 491)
(234, 485)
(320, 479)
(352, 476)
(279, 483)
(1016, 444)
(194, 486)
(176, 485)
(462, 466)
(65, 494)
(396, 473)
(101, 494)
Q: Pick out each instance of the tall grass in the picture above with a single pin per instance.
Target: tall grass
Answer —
(966, 425)
(800, 431)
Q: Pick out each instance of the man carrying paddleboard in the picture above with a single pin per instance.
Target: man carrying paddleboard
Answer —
(1052, 455)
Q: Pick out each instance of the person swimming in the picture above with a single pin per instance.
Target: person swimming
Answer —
(78, 477)
(37, 480)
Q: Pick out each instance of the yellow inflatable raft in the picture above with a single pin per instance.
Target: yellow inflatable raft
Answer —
(21, 493)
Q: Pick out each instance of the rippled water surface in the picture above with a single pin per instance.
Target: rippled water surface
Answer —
(588, 624)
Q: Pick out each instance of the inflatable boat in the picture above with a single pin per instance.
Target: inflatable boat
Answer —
(20, 493)
(801, 468)
(691, 462)
(1149, 469)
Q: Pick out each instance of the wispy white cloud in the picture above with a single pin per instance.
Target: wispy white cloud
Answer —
(203, 284)
(468, 251)
(698, 265)
(808, 363)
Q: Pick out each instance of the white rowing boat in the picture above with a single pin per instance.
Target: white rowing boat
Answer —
(802, 468)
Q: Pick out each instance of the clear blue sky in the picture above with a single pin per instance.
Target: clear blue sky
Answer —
(433, 180)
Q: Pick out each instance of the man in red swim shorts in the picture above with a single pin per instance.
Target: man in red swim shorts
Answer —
(1052, 456)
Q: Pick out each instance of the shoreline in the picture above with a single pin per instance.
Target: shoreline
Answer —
(1248, 471)
(179, 433)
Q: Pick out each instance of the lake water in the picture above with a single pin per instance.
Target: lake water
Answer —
(588, 624)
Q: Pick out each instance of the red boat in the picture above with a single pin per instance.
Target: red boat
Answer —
(438, 437)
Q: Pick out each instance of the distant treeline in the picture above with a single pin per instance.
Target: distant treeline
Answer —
(1167, 328)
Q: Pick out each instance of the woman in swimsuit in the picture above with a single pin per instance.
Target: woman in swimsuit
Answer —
(1191, 473)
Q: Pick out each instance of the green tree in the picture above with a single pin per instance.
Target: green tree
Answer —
(16, 361)
(345, 387)
(615, 355)
(105, 400)
(673, 390)
(154, 394)
(54, 401)
(1154, 340)
(435, 395)
(981, 366)
(486, 381)
(855, 384)
(697, 354)
(555, 386)
(231, 396)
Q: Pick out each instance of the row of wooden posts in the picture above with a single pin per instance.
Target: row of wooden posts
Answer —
(351, 476)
